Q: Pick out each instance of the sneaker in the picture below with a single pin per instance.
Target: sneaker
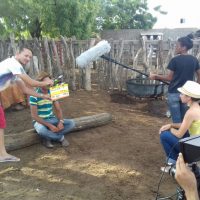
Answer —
(48, 144)
(64, 143)
(168, 114)
(165, 169)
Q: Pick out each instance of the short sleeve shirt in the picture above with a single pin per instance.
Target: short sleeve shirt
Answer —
(9, 68)
(44, 106)
(184, 68)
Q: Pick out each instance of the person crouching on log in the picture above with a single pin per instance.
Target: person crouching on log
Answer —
(47, 125)
(171, 133)
(11, 69)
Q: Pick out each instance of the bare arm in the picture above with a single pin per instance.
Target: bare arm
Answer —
(187, 121)
(169, 126)
(176, 125)
(198, 75)
(58, 110)
(27, 79)
(167, 77)
(31, 91)
(59, 115)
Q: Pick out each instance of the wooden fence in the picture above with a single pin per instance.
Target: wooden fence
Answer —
(58, 57)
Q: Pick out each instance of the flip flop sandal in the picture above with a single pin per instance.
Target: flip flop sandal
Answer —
(10, 159)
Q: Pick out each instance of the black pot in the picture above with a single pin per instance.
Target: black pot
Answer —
(141, 87)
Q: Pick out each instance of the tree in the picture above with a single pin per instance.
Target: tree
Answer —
(125, 14)
(69, 18)
(49, 17)
(8, 17)
(79, 18)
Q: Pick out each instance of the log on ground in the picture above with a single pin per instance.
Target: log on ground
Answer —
(30, 137)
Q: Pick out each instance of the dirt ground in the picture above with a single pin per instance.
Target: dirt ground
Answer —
(118, 161)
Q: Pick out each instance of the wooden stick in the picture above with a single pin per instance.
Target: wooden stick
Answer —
(30, 137)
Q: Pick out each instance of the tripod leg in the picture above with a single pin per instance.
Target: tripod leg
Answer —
(180, 194)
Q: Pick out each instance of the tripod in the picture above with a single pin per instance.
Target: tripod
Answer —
(180, 193)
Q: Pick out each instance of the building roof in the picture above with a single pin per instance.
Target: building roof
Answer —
(135, 34)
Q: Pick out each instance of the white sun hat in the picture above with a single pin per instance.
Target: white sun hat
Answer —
(191, 89)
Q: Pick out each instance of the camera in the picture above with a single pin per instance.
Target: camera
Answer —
(193, 166)
(196, 170)
(190, 148)
(172, 171)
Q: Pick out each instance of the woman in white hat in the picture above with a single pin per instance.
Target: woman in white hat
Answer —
(171, 133)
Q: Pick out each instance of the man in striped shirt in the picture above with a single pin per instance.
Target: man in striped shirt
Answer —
(49, 126)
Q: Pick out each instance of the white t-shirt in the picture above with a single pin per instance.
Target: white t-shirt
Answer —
(9, 68)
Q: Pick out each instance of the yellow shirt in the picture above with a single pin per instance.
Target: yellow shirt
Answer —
(195, 128)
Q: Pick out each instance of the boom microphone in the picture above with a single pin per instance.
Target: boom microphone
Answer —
(99, 50)
(93, 53)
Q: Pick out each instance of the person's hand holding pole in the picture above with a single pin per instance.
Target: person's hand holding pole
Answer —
(152, 76)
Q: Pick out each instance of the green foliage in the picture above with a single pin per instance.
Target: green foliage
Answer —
(15, 16)
(125, 14)
(49, 17)
(79, 18)
(70, 18)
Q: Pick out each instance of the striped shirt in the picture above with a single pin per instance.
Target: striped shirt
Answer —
(44, 106)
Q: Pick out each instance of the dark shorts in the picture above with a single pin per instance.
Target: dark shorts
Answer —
(2, 118)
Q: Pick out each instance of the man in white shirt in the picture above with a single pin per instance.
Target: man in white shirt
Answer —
(11, 69)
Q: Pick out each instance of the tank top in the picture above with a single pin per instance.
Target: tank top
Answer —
(195, 128)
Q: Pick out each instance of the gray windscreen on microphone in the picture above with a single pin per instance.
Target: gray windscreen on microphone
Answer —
(93, 53)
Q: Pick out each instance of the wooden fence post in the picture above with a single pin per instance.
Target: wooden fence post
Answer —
(72, 64)
(48, 57)
(109, 75)
(87, 70)
(37, 51)
(66, 59)
(56, 60)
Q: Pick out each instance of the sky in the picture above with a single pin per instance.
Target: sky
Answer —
(177, 9)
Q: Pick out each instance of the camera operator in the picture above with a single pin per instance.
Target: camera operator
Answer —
(170, 134)
(186, 179)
